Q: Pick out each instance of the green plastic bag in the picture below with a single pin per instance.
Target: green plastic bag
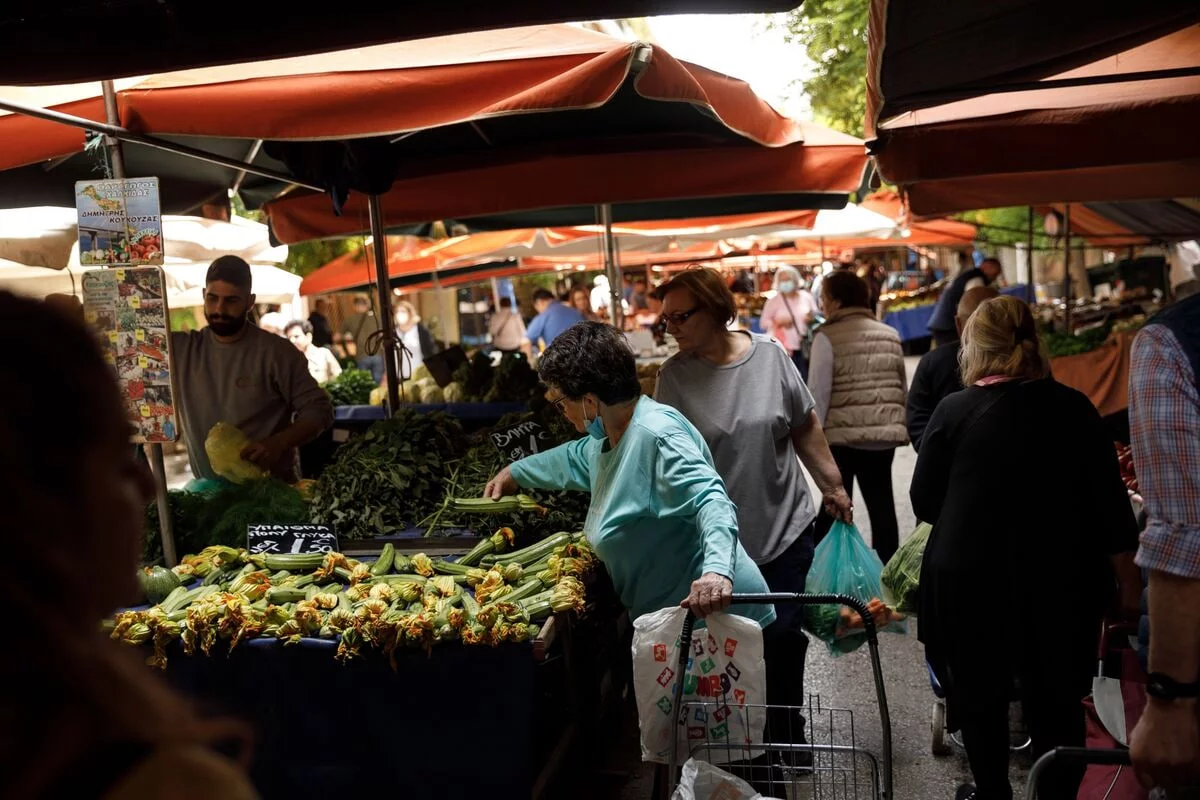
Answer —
(843, 564)
(901, 576)
(224, 446)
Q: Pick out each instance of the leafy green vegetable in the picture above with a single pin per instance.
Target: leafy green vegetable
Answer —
(515, 381)
(475, 376)
(351, 388)
(1064, 344)
(390, 477)
(901, 576)
(221, 516)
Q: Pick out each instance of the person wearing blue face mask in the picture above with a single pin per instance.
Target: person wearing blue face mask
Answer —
(660, 518)
(787, 315)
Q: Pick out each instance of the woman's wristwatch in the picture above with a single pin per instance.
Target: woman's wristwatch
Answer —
(1164, 687)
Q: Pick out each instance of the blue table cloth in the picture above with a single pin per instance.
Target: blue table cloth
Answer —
(913, 323)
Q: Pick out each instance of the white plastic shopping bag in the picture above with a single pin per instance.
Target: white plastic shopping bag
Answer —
(724, 685)
(702, 781)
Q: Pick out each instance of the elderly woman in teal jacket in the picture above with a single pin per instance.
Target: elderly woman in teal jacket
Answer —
(660, 518)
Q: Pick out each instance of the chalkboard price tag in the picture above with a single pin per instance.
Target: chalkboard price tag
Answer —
(523, 439)
(290, 539)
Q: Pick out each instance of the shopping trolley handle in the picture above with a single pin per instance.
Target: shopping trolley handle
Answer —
(811, 600)
(1084, 755)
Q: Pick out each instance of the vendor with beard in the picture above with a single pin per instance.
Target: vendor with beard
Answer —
(236, 373)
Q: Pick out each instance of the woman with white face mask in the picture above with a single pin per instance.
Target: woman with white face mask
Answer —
(787, 315)
(416, 339)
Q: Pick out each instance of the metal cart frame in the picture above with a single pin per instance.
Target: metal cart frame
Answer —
(881, 768)
(1083, 754)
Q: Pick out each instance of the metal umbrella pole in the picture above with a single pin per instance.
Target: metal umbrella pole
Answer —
(154, 452)
(386, 326)
(611, 267)
(1067, 301)
(1031, 290)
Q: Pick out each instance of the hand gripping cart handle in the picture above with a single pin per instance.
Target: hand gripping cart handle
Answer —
(883, 787)
(1114, 757)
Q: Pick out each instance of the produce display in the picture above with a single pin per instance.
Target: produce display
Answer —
(352, 387)
(220, 515)
(1065, 344)
(390, 477)
(393, 603)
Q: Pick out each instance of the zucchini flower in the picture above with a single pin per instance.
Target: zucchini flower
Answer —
(445, 585)
(488, 616)
(513, 572)
(380, 591)
(408, 592)
(476, 576)
(326, 601)
(474, 634)
(360, 574)
(332, 561)
(423, 565)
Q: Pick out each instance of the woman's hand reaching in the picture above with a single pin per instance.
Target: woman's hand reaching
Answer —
(501, 484)
(710, 592)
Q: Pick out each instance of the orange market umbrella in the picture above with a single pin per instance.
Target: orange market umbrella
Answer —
(924, 232)
(402, 109)
(1117, 127)
(549, 248)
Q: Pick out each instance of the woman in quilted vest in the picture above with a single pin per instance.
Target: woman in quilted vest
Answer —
(857, 379)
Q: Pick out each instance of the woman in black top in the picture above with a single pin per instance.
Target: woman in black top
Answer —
(1031, 527)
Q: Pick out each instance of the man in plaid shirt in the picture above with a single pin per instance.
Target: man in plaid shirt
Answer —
(1164, 414)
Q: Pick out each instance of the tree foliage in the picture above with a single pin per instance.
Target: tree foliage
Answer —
(834, 34)
(1006, 226)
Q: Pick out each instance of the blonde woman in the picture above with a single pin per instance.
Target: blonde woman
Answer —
(1014, 583)
(81, 715)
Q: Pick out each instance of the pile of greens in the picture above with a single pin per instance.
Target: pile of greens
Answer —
(220, 516)
(352, 388)
(390, 477)
(1065, 344)
(567, 509)
(475, 377)
(515, 380)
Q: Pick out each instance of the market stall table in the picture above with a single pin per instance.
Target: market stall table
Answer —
(1101, 374)
(913, 323)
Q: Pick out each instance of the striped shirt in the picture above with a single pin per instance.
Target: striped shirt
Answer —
(1164, 417)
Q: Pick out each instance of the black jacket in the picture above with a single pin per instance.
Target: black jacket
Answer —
(936, 376)
(1021, 484)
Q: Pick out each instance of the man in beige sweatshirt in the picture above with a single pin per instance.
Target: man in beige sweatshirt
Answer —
(234, 372)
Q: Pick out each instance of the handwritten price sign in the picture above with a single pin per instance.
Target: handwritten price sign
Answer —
(290, 539)
(521, 440)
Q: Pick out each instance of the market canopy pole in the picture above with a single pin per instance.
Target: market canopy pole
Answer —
(611, 269)
(1067, 263)
(154, 452)
(379, 244)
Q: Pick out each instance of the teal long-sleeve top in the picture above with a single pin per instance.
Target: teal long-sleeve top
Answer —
(660, 516)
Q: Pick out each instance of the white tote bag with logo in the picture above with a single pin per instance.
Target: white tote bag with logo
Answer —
(724, 686)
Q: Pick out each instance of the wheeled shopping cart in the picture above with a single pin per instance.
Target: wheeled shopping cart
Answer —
(1116, 757)
(826, 763)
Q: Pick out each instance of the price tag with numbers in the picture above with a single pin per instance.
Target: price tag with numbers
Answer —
(291, 539)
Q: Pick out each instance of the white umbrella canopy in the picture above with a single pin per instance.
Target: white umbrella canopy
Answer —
(850, 222)
(45, 236)
(185, 282)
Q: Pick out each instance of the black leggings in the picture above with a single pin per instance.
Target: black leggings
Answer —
(785, 646)
(1052, 680)
(873, 468)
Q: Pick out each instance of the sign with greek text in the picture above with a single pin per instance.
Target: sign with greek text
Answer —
(291, 539)
(521, 440)
(120, 222)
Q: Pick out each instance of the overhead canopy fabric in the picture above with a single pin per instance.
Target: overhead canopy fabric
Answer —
(550, 248)
(357, 119)
(57, 42)
(929, 232)
(925, 53)
(1133, 223)
(560, 190)
(1128, 137)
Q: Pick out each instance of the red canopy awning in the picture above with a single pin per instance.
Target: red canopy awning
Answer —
(549, 249)
(1128, 137)
(922, 232)
(825, 163)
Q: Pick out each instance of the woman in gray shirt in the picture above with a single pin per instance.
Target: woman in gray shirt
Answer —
(747, 399)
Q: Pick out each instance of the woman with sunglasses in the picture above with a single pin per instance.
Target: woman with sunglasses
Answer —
(747, 398)
(660, 519)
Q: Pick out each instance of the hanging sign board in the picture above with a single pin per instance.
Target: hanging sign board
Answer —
(127, 307)
(291, 539)
(120, 222)
(523, 439)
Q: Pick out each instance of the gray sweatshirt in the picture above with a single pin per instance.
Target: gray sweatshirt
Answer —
(259, 384)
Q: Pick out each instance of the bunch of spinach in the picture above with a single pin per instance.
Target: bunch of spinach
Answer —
(389, 477)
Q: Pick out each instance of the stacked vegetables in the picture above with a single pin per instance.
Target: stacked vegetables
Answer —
(352, 387)
(393, 603)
